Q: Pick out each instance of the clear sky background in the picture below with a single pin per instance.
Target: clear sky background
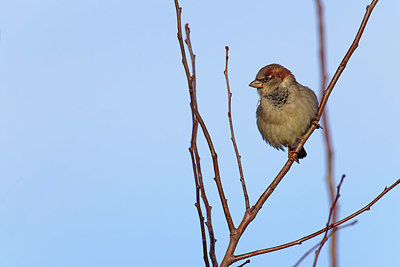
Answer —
(95, 128)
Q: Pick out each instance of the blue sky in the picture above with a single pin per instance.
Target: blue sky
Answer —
(95, 129)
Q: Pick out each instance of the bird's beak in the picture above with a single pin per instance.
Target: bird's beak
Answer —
(256, 84)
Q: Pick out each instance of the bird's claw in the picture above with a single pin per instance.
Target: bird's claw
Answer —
(315, 122)
(292, 155)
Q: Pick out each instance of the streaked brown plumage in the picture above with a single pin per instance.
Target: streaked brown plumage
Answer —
(286, 108)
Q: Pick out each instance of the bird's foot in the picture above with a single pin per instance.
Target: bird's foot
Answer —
(292, 155)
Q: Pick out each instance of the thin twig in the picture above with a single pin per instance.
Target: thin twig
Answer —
(217, 178)
(238, 157)
(214, 155)
(182, 46)
(200, 190)
(208, 223)
(329, 236)
(338, 72)
(329, 152)
(331, 211)
(346, 58)
(331, 226)
(197, 204)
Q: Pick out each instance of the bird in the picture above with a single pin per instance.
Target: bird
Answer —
(285, 109)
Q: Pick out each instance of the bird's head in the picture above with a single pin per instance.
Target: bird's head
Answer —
(271, 77)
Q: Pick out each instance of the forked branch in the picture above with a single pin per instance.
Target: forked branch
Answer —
(331, 226)
(200, 190)
(331, 212)
(319, 243)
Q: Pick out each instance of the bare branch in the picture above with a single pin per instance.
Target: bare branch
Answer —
(331, 211)
(346, 58)
(338, 72)
(331, 226)
(326, 128)
(330, 235)
(180, 39)
(208, 210)
(238, 157)
(217, 178)
(197, 204)
(200, 190)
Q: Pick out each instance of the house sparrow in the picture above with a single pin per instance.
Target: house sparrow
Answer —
(285, 110)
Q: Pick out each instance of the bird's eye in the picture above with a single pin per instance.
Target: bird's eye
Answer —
(266, 79)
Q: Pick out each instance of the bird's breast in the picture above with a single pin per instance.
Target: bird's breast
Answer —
(282, 119)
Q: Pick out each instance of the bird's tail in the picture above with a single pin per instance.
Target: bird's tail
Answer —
(302, 153)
